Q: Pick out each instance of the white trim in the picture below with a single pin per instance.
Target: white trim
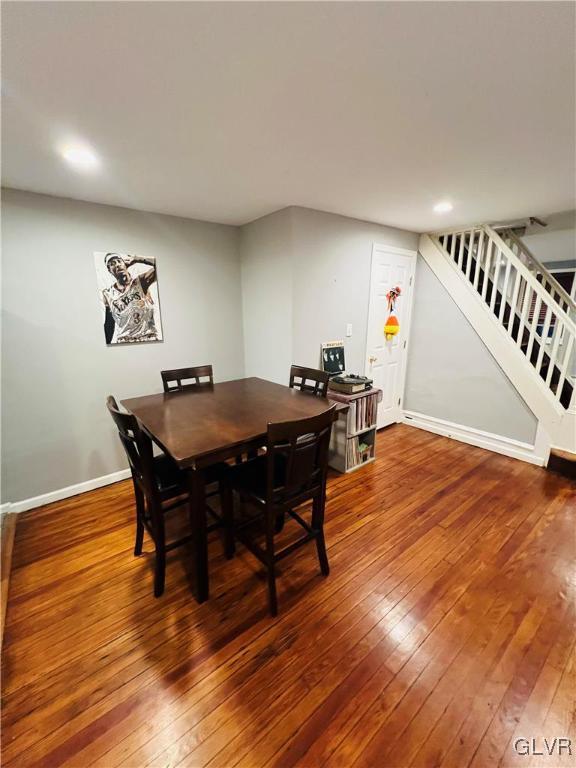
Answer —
(5, 508)
(542, 444)
(413, 255)
(531, 388)
(64, 493)
(533, 454)
(408, 327)
(393, 249)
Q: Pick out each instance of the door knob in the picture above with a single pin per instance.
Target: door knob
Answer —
(372, 359)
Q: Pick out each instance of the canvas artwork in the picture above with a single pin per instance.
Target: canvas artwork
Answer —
(128, 288)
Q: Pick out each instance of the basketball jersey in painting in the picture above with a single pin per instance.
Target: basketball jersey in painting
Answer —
(132, 311)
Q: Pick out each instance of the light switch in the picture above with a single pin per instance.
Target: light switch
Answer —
(349, 329)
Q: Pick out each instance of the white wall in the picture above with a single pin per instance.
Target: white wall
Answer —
(451, 375)
(266, 249)
(56, 368)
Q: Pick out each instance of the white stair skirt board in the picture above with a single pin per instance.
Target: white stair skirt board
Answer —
(560, 425)
(533, 454)
(65, 493)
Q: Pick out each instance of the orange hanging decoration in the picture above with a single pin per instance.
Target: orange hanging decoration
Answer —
(392, 326)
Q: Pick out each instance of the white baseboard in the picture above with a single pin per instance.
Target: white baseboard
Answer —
(64, 493)
(534, 454)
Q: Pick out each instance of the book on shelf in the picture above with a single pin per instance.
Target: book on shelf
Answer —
(358, 452)
(362, 413)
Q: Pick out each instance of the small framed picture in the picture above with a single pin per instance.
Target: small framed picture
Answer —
(333, 361)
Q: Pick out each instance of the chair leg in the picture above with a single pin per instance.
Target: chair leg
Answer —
(139, 520)
(160, 553)
(318, 525)
(139, 536)
(279, 522)
(271, 564)
(322, 556)
(159, 571)
(227, 504)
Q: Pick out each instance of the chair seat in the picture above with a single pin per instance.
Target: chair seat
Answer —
(171, 479)
(250, 477)
(168, 475)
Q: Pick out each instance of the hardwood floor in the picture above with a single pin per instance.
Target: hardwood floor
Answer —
(444, 632)
(7, 530)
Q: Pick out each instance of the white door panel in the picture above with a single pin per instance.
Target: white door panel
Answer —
(385, 362)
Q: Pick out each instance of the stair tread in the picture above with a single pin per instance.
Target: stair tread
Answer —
(566, 455)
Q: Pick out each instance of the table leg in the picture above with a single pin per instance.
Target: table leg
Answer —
(200, 536)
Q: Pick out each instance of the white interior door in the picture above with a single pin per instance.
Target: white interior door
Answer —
(386, 360)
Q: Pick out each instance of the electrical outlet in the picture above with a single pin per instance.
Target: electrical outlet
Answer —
(349, 329)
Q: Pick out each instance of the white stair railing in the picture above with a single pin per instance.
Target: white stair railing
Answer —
(546, 278)
(526, 311)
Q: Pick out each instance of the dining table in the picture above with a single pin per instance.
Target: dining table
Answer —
(205, 424)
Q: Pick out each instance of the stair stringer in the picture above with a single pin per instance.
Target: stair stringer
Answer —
(557, 425)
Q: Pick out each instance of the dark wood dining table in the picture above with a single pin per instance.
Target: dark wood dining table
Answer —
(209, 423)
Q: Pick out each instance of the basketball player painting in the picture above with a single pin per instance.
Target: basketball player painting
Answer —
(129, 307)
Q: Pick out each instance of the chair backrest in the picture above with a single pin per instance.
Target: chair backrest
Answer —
(137, 446)
(297, 457)
(172, 380)
(309, 380)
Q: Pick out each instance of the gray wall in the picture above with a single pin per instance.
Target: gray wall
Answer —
(331, 266)
(451, 375)
(556, 242)
(305, 275)
(266, 249)
(291, 280)
(56, 368)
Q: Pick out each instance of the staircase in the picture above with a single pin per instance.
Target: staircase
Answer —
(524, 316)
(544, 277)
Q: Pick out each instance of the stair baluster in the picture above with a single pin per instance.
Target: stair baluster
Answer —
(529, 304)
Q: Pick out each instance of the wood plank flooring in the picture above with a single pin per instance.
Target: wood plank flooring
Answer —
(444, 632)
(7, 531)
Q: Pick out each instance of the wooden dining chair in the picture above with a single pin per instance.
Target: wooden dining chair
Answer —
(199, 374)
(159, 487)
(292, 471)
(172, 381)
(309, 380)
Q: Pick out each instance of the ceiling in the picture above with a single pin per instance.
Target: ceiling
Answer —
(228, 111)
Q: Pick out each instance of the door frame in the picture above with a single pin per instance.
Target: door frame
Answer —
(412, 254)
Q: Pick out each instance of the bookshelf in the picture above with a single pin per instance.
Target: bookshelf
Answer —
(353, 441)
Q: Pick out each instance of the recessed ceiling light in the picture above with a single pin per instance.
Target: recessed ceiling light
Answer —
(79, 157)
(443, 207)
